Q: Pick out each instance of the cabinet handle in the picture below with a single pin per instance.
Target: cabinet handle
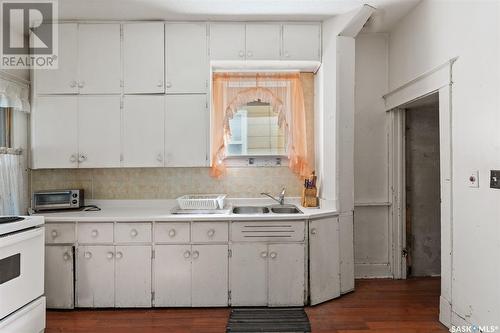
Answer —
(73, 158)
(169, 84)
(160, 83)
(273, 255)
(171, 233)
(94, 233)
(81, 84)
(196, 254)
(87, 255)
(263, 254)
(119, 255)
(133, 233)
(313, 231)
(54, 233)
(82, 158)
(66, 256)
(211, 233)
(110, 255)
(241, 54)
(187, 254)
(159, 158)
(249, 54)
(72, 84)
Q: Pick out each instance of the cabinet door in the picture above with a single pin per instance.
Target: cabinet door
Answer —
(286, 274)
(263, 41)
(95, 277)
(143, 57)
(99, 131)
(133, 276)
(172, 275)
(227, 41)
(301, 42)
(54, 124)
(62, 80)
(324, 265)
(209, 275)
(248, 274)
(59, 288)
(187, 58)
(143, 131)
(99, 58)
(186, 131)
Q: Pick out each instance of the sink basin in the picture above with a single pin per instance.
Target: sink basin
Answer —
(285, 209)
(250, 210)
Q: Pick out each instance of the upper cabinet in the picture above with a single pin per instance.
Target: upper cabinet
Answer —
(143, 58)
(301, 42)
(263, 41)
(186, 58)
(227, 41)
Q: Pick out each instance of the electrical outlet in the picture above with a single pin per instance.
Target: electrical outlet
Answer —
(474, 179)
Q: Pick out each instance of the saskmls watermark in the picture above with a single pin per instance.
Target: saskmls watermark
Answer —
(28, 39)
(474, 329)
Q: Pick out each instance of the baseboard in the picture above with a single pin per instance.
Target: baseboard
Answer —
(372, 271)
(445, 312)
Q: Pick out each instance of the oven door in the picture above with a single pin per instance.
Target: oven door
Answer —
(21, 269)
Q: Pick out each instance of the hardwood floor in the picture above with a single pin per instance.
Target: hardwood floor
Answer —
(378, 306)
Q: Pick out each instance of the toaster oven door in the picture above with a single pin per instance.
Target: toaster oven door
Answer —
(52, 200)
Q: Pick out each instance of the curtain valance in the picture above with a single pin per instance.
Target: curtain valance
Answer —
(14, 96)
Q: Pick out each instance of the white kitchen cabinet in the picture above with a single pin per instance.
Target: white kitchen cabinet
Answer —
(172, 275)
(263, 41)
(324, 257)
(144, 57)
(227, 41)
(54, 132)
(99, 58)
(301, 42)
(187, 69)
(59, 270)
(186, 131)
(209, 275)
(62, 80)
(133, 276)
(99, 131)
(95, 278)
(286, 274)
(248, 274)
(143, 131)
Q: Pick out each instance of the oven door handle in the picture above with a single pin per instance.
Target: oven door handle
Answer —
(21, 236)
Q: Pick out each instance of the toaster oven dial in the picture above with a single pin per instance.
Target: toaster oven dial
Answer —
(74, 202)
(74, 195)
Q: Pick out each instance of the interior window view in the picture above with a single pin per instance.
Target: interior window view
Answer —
(249, 166)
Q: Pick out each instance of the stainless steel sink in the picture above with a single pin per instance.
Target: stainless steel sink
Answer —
(285, 209)
(250, 210)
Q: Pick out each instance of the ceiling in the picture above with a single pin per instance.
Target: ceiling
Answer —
(389, 11)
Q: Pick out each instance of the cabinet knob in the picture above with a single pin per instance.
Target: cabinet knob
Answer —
(249, 54)
(94, 233)
(73, 158)
(87, 255)
(159, 84)
(263, 254)
(54, 233)
(72, 84)
(171, 232)
(169, 84)
(119, 255)
(273, 255)
(133, 233)
(241, 54)
(159, 158)
(187, 254)
(314, 231)
(81, 84)
(196, 254)
(211, 233)
(66, 256)
(287, 55)
(82, 158)
(110, 255)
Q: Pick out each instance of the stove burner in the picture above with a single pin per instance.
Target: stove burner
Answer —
(10, 219)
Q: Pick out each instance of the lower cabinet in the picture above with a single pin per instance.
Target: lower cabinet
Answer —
(113, 276)
(59, 277)
(191, 275)
(267, 274)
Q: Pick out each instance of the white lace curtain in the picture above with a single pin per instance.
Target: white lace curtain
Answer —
(12, 187)
(14, 96)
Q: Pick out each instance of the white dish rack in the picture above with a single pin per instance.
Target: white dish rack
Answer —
(202, 201)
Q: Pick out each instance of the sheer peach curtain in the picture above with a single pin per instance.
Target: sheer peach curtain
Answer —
(283, 91)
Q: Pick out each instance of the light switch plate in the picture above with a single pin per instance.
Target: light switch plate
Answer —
(473, 179)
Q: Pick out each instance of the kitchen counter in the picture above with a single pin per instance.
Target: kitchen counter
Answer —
(160, 210)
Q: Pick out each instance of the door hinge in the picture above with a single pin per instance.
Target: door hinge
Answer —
(404, 253)
(121, 103)
(152, 296)
(153, 254)
(230, 253)
(121, 158)
(229, 296)
(122, 83)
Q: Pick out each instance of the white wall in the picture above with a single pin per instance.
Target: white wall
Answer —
(430, 35)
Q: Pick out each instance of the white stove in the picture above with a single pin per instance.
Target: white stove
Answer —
(22, 305)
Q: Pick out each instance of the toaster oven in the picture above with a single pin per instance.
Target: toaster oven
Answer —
(57, 199)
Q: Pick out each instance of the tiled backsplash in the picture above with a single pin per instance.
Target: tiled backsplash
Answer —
(167, 183)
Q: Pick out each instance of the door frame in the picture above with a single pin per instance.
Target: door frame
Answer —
(439, 80)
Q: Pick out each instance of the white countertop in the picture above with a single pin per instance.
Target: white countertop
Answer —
(160, 210)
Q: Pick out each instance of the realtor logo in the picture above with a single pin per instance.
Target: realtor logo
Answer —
(28, 37)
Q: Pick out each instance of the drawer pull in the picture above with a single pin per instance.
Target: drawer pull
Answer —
(110, 255)
(119, 255)
(66, 256)
(211, 233)
(263, 254)
(187, 254)
(273, 255)
(313, 231)
(171, 232)
(94, 233)
(87, 255)
(54, 233)
(133, 233)
(196, 254)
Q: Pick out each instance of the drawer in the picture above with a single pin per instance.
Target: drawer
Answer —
(95, 232)
(172, 232)
(56, 233)
(268, 231)
(207, 232)
(133, 233)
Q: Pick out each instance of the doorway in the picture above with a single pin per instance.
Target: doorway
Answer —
(422, 187)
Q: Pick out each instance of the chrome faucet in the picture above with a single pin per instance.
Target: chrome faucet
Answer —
(281, 196)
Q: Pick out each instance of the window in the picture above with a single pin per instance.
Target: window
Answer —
(6, 127)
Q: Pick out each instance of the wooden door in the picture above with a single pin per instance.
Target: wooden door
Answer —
(59, 270)
(209, 285)
(263, 41)
(301, 42)
(143, 57)
(227, 41)
(95, 279)
(133, 276)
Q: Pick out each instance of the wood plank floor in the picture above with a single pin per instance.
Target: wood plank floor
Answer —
(378, 306)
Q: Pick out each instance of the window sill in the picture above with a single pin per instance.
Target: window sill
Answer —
(256, 161)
